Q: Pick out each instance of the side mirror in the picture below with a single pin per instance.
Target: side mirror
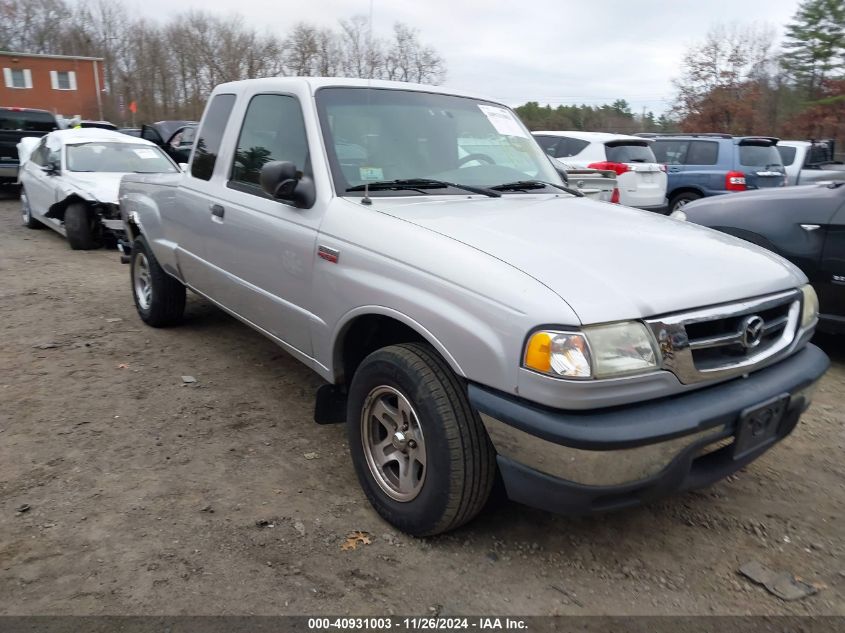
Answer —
(282, 181)
(183, 166)
(50, 168)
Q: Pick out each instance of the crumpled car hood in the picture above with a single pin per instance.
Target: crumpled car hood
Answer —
(101, 186)
(606, 261)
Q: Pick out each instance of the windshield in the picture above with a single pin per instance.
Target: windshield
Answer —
(759, 156)
(118, 158)
(375, 135)
(24, 121)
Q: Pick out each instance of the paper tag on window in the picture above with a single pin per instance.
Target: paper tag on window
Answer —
(503, 120)
(146, 153)
(371, 173)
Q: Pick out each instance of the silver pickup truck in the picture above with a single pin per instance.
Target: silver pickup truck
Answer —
(808, 162)
(472, 316)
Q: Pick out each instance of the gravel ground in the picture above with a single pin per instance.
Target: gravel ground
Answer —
(148, 495)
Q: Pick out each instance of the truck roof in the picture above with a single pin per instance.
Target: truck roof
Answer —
(315, 83)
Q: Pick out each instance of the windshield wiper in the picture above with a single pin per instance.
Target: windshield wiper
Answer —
(526, 185)
(419, 184)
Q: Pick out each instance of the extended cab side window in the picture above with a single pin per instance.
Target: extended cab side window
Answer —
(210, 136)
(273, 130)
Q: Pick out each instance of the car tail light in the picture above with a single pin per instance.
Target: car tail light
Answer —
(663, 168)
(735, 181)
(619, 168)
(614, 197)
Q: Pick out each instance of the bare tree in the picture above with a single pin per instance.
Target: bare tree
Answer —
(168, 69)
(407, 59)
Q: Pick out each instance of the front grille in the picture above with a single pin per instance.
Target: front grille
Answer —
(714, 343)
(728, 339)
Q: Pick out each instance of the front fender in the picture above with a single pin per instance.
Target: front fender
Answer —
(140, 209)
(338, 337)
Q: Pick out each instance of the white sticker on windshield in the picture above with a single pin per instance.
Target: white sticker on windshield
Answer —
(371, 173)
(503, 120)
(145, 152)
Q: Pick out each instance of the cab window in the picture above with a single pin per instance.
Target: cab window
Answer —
(273, 130)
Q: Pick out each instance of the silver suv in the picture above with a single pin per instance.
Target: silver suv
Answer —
(470, 314)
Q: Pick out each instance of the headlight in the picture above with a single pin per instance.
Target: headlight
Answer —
(601, 351)
(810, 308)
(678, 215)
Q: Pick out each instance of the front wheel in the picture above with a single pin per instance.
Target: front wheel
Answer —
(82, 227)
(421, 453)
(159, 298)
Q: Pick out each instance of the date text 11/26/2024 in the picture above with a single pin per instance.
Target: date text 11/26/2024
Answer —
(417, 624)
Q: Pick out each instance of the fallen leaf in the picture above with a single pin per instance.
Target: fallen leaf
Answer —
(354, 538)
(310, 455)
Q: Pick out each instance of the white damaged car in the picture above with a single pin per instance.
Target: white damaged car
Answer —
(70, 180)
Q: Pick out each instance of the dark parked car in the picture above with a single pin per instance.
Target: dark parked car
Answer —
(176, 138)
(703, 165)
(16, 123)
(806, 225)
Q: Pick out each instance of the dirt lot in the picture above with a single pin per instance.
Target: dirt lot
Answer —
(147, 495)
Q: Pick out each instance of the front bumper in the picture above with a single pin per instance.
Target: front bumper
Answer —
(578, 462)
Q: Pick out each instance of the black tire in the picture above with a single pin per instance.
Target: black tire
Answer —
(26, 213)
(680, 200)
(82, 227)
(460, 464)
(165, 303)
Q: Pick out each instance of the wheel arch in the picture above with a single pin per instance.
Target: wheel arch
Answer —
(685, 189)
(57, 210)
(368, 328)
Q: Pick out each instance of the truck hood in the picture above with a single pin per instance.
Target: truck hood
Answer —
(606, 261)
(100, 186)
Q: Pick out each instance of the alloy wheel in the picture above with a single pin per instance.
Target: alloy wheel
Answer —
(393, 442)
(142, 281)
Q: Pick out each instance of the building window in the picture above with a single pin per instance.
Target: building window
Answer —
(17, 78)
(63, 79)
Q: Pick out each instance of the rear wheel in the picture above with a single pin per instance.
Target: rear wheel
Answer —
(421, 453)
(82, 227)
(681, 200)
(159, 298)
(26, 213)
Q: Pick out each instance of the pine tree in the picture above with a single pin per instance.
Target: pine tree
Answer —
(814, 49)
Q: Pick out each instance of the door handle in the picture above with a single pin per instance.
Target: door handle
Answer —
(217, 210)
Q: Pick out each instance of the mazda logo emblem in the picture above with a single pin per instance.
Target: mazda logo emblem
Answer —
(752, 331)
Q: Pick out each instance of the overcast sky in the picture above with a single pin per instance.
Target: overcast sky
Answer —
(551, 51)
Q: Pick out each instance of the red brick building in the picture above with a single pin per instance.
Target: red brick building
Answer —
(60, 83)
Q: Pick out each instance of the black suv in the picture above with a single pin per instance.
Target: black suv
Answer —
(16, 123)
